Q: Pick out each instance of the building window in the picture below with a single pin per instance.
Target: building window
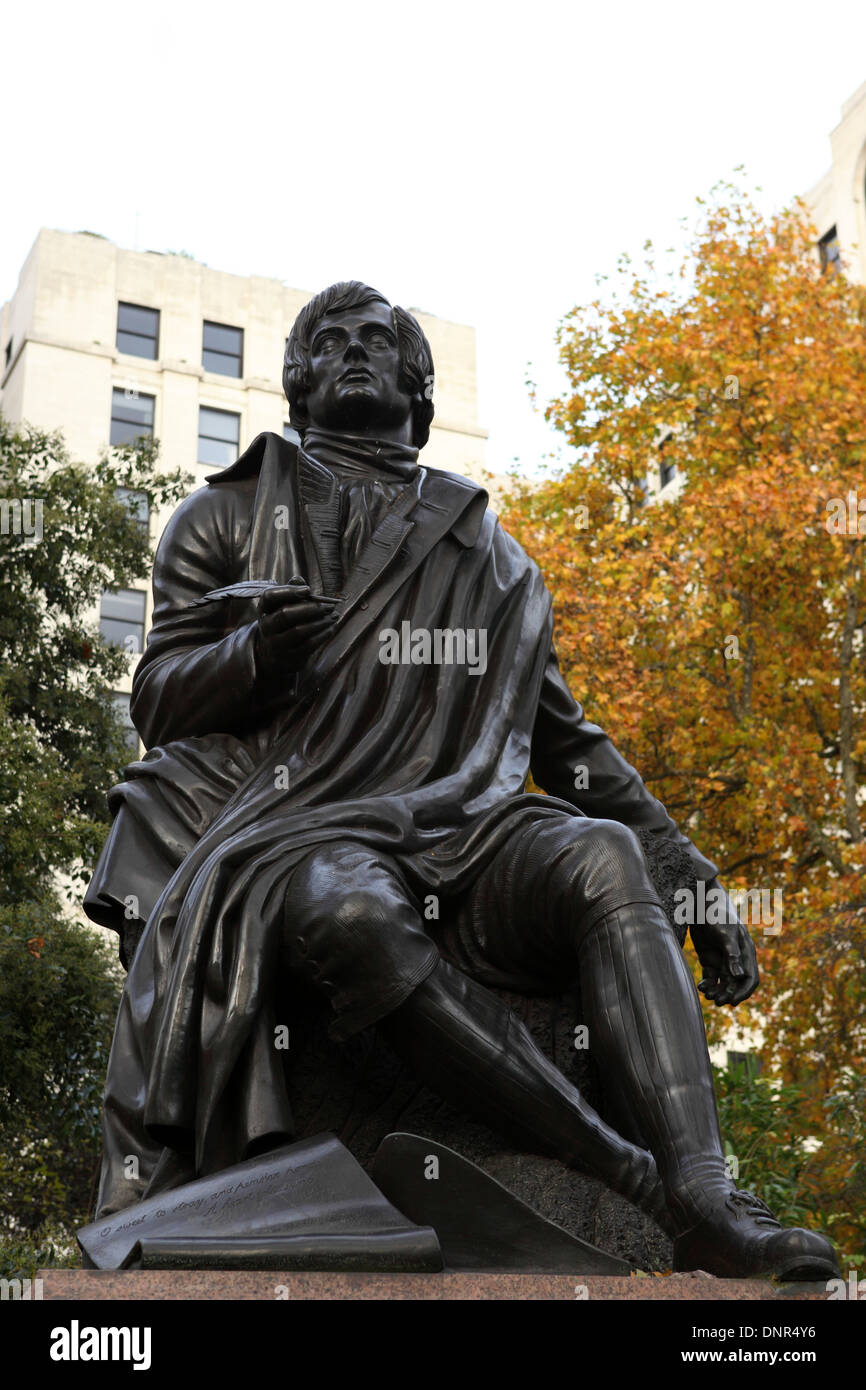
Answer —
(8, 353)
(667, 471)
(222, 349)
(137, 505)
(138, 330)
(291, 434)
(828, 250)
(121, 619)
(218, 436)
(131, 416)
(130, 733)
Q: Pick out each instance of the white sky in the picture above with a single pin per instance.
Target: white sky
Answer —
(482, 161)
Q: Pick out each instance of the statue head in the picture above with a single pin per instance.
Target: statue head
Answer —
(355, 362)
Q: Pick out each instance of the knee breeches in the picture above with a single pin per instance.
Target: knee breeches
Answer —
(356, 929)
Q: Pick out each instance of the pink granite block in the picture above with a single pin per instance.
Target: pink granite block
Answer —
(254, 1286)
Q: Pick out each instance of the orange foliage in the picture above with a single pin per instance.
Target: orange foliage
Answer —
(719, 636)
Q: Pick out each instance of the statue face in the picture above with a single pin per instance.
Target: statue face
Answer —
(355, 374)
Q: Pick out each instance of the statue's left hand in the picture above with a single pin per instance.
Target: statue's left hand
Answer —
(727, 953)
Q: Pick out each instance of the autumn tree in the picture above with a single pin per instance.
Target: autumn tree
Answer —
(719, 635)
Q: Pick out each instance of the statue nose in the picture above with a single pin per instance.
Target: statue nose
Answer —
(355, 348)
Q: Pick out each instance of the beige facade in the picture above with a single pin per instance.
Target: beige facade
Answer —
(838, 200)
(61, 331)
(61, 368)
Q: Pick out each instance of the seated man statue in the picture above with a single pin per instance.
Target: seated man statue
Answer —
(349, 677)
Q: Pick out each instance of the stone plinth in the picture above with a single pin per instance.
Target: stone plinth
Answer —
(61, 1285)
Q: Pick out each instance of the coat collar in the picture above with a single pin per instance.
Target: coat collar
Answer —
(465, 500)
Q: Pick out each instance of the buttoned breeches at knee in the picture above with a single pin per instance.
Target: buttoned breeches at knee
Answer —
(356, 925)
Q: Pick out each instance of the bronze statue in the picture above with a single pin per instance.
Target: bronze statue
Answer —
(349, 676)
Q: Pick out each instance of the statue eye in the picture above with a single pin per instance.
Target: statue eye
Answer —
(379, 340)
(328, 343)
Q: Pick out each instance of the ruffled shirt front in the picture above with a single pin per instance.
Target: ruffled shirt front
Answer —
(347, 484)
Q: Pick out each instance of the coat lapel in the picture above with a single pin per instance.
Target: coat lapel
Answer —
(411, 528)
(401, 544)
(381, 549)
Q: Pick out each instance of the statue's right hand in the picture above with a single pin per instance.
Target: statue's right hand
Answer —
(292, 623)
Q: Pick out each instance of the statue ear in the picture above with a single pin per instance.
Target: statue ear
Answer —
(422, 418)
(298, 415)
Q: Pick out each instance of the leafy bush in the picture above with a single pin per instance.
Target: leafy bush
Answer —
(59, 988)
(807, 1179)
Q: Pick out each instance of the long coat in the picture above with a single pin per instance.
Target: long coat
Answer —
(425, 763)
